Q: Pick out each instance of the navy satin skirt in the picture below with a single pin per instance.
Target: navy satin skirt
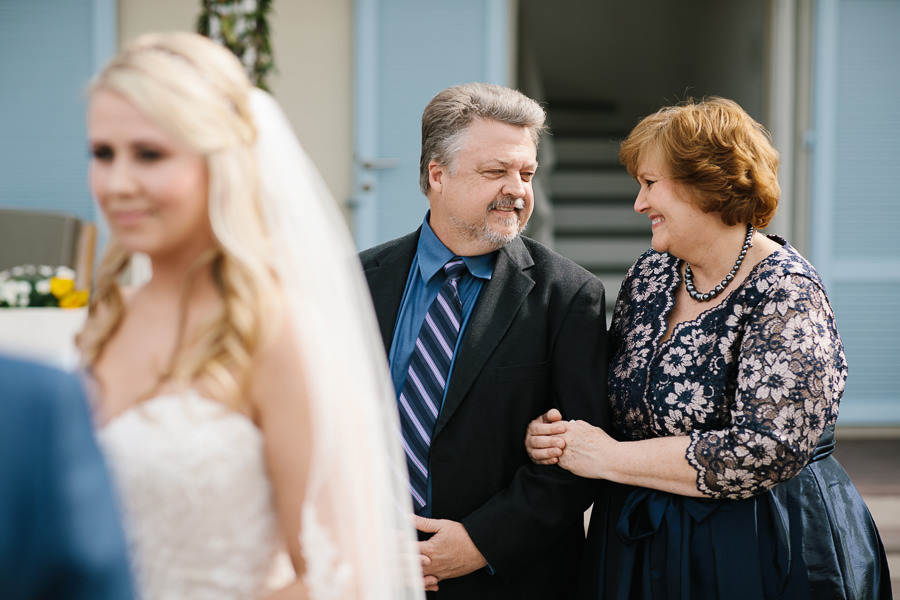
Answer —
(809, 538)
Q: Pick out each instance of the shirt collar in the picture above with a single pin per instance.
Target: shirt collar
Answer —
(433, 255)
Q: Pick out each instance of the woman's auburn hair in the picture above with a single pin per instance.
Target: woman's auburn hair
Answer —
(197, 90)
(718, 151)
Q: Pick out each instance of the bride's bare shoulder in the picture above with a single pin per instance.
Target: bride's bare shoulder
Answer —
(278, 364)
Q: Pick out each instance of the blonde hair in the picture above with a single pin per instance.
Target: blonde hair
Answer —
(197, 90)
(719, 151)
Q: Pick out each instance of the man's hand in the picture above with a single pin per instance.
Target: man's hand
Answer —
(543, 438)
(450, 552)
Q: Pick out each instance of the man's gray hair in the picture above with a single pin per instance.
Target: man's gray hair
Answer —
(451, 111)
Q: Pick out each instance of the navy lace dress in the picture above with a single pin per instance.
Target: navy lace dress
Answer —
(755, 383)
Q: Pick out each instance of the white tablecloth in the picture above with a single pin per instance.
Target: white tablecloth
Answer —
(44, 334)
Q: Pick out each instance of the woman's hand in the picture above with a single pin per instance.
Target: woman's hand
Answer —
(588, 450)
(542, 439)
(576, 446)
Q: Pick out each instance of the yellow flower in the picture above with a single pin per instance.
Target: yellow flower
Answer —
(60, 286)
(74, 299)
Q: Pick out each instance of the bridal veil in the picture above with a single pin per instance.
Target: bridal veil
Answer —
(356, 530)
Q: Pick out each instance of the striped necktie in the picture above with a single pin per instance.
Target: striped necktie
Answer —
(423, 391)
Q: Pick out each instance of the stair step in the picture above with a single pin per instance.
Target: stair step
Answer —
(612, 281)
(602, 253)
(586, 151)
(592, 184)
(886, 513)
(890, 537)
(584, 120)
(893, 559)
(599, 218)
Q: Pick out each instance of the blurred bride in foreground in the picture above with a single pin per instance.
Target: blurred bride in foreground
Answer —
(241, 393)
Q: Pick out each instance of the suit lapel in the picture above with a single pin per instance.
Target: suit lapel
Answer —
(492, 316)
(387, 282)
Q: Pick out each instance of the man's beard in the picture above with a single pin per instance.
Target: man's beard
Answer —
(485, 234)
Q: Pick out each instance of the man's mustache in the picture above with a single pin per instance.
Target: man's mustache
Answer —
(507, 202)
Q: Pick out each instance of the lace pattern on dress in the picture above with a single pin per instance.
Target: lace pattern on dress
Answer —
(753, 381)
(195, 498)
(326, 577)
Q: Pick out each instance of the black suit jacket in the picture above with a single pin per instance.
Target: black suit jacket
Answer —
(536, 340)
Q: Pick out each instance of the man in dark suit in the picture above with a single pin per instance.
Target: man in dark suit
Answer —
(60, 536)
(532, 336)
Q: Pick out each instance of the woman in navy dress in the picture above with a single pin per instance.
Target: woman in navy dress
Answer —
(727, 371)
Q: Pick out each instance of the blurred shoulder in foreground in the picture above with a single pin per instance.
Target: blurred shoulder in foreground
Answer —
(60, 535)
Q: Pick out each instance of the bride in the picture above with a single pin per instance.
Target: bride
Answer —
(241, 393)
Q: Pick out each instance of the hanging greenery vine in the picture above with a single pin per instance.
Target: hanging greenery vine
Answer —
(243, 27)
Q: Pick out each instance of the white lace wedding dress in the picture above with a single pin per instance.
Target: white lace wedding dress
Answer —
(196, 500)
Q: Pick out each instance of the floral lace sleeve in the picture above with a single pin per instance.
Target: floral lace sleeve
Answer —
(790, 376)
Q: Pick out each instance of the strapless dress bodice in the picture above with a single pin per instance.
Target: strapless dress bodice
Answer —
(196, 499)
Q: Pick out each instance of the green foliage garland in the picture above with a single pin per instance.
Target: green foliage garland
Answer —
(243, 27)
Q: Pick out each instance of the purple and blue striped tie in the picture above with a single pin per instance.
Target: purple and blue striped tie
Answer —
(422, 394)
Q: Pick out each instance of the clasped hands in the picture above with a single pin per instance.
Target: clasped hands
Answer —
(576, 446)
(450, 552)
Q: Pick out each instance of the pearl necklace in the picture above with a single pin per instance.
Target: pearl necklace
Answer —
(689, 275)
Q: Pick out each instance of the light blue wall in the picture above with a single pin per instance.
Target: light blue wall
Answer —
(856, 198)
(48, 51)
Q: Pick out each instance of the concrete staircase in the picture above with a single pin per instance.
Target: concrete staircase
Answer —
(594, 222)
(591, 194)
